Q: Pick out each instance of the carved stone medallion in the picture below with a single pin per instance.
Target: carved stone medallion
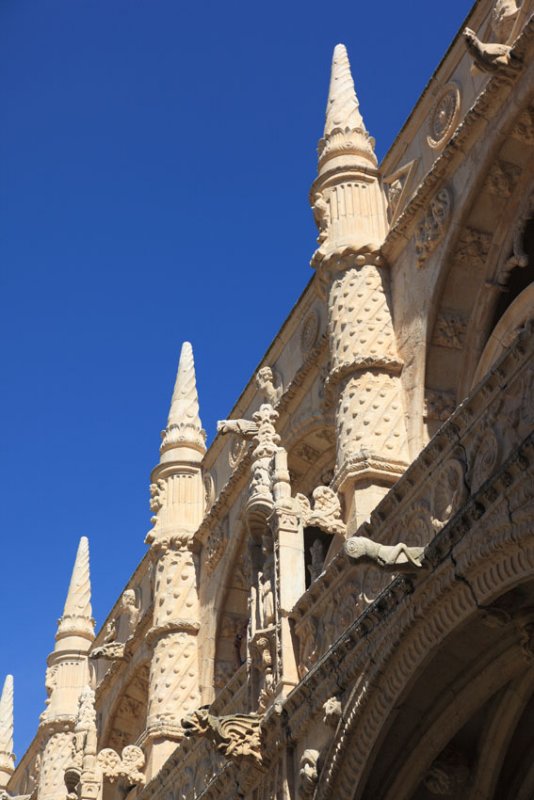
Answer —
(444, 117)
(309, 332)
(238, 448)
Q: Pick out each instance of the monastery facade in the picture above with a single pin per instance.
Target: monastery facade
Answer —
(337, 598)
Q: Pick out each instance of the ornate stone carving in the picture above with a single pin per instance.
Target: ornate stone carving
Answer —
(439, 405)
(485, 460)
(448, 774)
(309, 332)
(216, 545)
(183, 425)
(433, 226)
(397, 558)
(490, 56)
(503, 18)
(308, 772)
(444, 116)
(326, 511)
(308, 650)
(332, 711)
(321, 215)
(235, 736)
(127, 767)
(398, 186)
(266, 386)
(524, 128)
(266, 580)
(209, 491)
(263, 649)
(502, 178)
(449, 492)
(450, 330)
(473, 247)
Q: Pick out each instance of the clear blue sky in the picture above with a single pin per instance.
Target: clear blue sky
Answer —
(156, 158)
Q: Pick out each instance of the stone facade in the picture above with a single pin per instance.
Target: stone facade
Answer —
(338, 595)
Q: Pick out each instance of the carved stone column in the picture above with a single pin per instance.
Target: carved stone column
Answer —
(177, 498)
(365, 367)
(7, 759)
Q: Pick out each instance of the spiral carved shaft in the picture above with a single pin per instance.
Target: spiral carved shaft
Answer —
(342, 109)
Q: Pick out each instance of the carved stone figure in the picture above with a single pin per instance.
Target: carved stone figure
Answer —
(265, 384)
(397, 558)
(308, 772)
(332, 710)
(235, 735)
(489, 56)
(321, 215)
(326, 511)
(266, 579)
(317, 559)
(244, 428)
(130, 611)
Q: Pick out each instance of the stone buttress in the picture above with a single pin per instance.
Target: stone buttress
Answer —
(177, 499)
(363, 379)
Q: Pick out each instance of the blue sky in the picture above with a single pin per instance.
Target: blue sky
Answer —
(156, 158)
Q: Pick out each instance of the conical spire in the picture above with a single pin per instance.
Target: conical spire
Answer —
(342, 108)
(7, 759)
(77, 617)
(344, 131)
(184, 428)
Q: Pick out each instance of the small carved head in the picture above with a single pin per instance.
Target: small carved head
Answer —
(196, 723)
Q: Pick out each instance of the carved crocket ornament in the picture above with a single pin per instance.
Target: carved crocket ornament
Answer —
(394, 558)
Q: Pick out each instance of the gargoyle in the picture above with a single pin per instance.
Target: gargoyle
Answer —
(235, 735)
(489, 56)
(244, 428)
(394, 558)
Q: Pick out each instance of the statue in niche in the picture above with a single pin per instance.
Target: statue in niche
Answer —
(317, 559)
(266, 582)
(395, 558)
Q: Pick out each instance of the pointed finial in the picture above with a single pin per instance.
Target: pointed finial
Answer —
(342, 108)
(184, 428)
(7, 759)
(344, 131)
(77, 619)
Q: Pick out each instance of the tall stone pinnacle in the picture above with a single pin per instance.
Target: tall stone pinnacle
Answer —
(344, 131)
(77, 617)
(184, 428)
(342, 108)
(7, 759)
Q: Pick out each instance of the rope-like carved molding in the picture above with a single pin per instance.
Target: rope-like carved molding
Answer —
(467, 129)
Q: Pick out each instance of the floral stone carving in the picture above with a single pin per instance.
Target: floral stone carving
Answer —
(235, 735)
(433, 226)
(326, 511)
(128, 766)
(444, 116)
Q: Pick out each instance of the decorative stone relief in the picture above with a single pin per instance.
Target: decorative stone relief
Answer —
(235, 735)
(238, 448)
(450, 330)
(433, 226)
(524, 128)
(309, 332)
(128, 766)
(308, 772)
(326, 511)
(263, 649)
(209, 491)
(502, 178)
(449, 492)
(439, 405)
(398, 557)
(216, 545)
(486, 459)
(444, 116)
(473, 247)
(448, 774)
(308, 650)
